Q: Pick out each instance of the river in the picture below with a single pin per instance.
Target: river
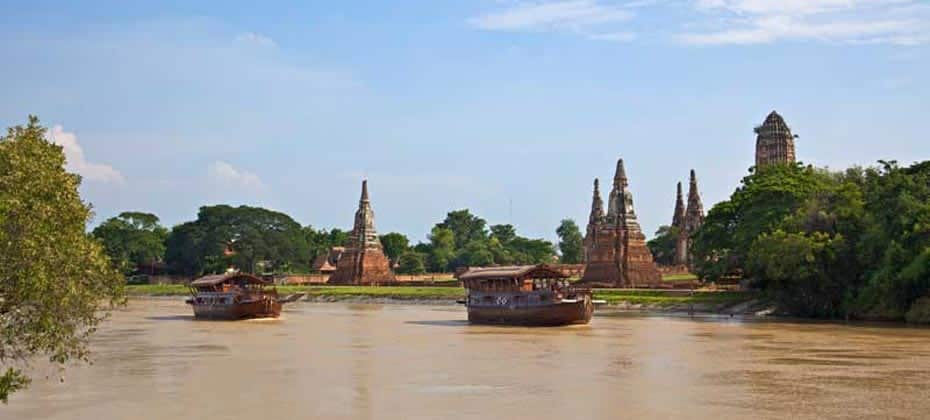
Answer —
(359, 361)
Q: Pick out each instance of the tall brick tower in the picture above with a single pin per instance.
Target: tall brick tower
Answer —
(694, 219)
(600, 246)
(774, 142)
(615, 247)
(678, 221)
(363, 261)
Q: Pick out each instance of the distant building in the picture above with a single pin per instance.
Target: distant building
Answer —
(774, 142)
(363, 261)
(326, 263)
(615, 247)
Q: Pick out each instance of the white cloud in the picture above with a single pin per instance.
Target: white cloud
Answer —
(252, 38)
(227, 175)
(579, 16)
(899, 22)
(614, 37)
(550, 14)
(76, 162)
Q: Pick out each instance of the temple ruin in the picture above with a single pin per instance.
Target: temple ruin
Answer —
(615, 247)
(363, 261)
(688, 221)
(774, 142)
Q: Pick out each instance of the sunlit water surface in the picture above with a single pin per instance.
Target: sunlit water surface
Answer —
(349, 361)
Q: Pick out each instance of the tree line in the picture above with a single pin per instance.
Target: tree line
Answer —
(820, 243)
(255, 239)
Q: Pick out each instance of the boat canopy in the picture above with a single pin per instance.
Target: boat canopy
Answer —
(541, 271)
(216, 279)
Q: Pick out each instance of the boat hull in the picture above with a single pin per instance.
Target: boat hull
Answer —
(555, 314)
(242, 310)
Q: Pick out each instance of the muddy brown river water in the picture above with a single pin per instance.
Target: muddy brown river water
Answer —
(354, 361)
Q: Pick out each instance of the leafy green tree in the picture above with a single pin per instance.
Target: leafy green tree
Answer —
(531, 251)
(132, 239)
(664, 244)
(411, 262)
(896, 250)
(801, 271)
(394, 245)
(504, 233)
(465, 227)
(55, 280)
(442, 249)
(571, 242)
(241, 236)
(501, 254)
(475, 254)
(762, 204)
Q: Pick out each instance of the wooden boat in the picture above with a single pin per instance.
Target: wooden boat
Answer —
(234, 296)
(534, 295)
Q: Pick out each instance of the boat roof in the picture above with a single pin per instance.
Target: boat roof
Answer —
(514, 271)
(214, 279)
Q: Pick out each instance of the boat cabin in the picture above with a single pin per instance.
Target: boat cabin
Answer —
(233, 283)
(524, 295)
(527, 278)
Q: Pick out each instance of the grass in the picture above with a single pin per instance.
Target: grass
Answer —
(611, 296)
(679, 277)
(669, 297)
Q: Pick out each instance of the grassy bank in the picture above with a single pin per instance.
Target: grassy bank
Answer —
(657, 298)
(679, 277)
(670, 297)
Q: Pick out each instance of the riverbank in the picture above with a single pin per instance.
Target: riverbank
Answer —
(737, 303)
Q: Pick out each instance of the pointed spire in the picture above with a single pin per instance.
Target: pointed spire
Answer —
(678, 219)
(364, 198)
(597, 205)
(694, 216)
(620, 177)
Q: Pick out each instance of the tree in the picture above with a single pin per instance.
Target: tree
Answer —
(241, 237)
(801, 271)
(664, 245)
(55, 280)
(394, 245)
(895, 250)
(411, 262)
(475, 254)
(132, 239)
(762, 204)
(442, 249)
(504, 233)
(531, 251)
(465, 226)
(571, 243)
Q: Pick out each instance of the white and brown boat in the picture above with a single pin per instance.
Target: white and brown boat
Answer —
(533, 295)
(235, 296)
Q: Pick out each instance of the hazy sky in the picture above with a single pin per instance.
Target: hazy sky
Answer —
(167, 106)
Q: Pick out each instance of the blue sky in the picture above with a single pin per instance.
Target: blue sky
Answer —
(167, 106)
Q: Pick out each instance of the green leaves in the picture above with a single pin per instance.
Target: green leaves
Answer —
(394, 245)
(244, 237)
(132, 239)
(55, 280)
(664, 243)
(11, 381)
(571, 242)
(852, 243)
